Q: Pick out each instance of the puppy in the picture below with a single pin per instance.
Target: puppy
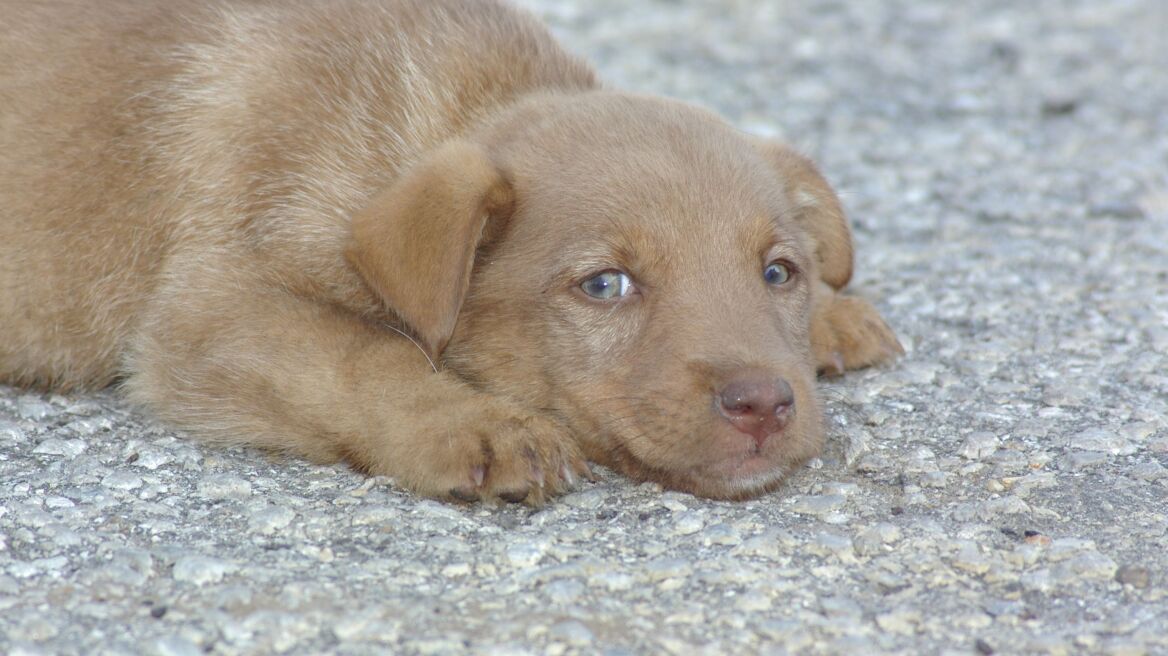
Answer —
(416, 236)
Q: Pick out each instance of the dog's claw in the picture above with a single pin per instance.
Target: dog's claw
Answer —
(567, 475)
(835, 367)
(837, 363)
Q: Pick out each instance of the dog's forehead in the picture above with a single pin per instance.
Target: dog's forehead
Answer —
(642, 170)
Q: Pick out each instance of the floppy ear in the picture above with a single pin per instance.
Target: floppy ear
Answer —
(414, 243)
(819, 211)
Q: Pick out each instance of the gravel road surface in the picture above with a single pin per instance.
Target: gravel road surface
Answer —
(1002, 489)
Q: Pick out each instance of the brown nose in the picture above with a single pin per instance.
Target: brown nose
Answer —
(757, 405)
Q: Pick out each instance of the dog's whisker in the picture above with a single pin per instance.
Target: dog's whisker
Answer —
(415, 343)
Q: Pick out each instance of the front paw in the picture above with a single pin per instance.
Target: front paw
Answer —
(848, 333)
(487, 448)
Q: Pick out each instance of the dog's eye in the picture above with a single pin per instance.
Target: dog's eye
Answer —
(776, 273)
(607, 285)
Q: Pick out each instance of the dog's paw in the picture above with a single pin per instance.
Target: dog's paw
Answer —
(489, 449)
(848, 333)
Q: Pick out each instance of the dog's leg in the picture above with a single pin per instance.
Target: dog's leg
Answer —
(237, 362)
(848, 333)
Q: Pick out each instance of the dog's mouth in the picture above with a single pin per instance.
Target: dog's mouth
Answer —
(693, 449)
(733, 475)
(739, 476)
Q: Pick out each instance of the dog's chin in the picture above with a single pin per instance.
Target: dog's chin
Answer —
(735, 478)
(732, 477)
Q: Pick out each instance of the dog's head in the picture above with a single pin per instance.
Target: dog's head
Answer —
(631, 266)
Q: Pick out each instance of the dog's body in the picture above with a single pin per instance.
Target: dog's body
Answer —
(414, 235)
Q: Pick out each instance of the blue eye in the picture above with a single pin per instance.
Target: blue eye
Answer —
(607, 285)
(776, 273)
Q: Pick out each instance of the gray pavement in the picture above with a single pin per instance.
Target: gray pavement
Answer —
(1002, 489)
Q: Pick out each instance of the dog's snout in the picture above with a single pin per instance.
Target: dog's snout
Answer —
(756, 405)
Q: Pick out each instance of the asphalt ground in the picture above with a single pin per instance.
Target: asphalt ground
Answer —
(1001, 489)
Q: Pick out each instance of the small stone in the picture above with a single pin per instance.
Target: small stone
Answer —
(842, 488)
(721, 534)
(271, 519)
(753, 602)
(689, 614)
(1124, 646)
(840, 607)
(176, 646)
(373, 515)
(994, 509)
(573, 632)
(525, 554)
(1069, 393)
(456, 570)
(1024, 485)
(688, 523)
(60, 447)
(875, 463)
(673, 501)
(365, 626)
(586, 499)
(1049, 643)
(201, 570)
(774, 544)
(122, 480)
(871, 540)
(1148, 471)
(1106, 441)
(1091, 566)
(978, 445)
(65, 539)
(858, 445)
(934, 479)
(1138, 430)
(1004, 608)
(1065, 548)
(218, 487)
(57, 503)
(667, 568)
(818, 504)
(31, 407)
(1116, 209)
(791, 634)
(1009, 461)
(903, 622)
(150, 458)
(350, 627)
(1133, 575)
(728, 572)
(613, 581)
(564, 591)
(87, 427)
(831, 544)
(10, 432)
(1038, 539)
(969, 559)
(50, 565)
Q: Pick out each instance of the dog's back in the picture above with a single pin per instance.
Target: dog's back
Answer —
(131, 127)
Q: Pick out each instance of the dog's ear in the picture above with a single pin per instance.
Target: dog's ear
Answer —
(819, 211)
(414, 243)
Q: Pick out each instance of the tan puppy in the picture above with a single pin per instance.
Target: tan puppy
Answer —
(414, 235)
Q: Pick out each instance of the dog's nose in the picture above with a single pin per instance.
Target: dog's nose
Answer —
(757, 405)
